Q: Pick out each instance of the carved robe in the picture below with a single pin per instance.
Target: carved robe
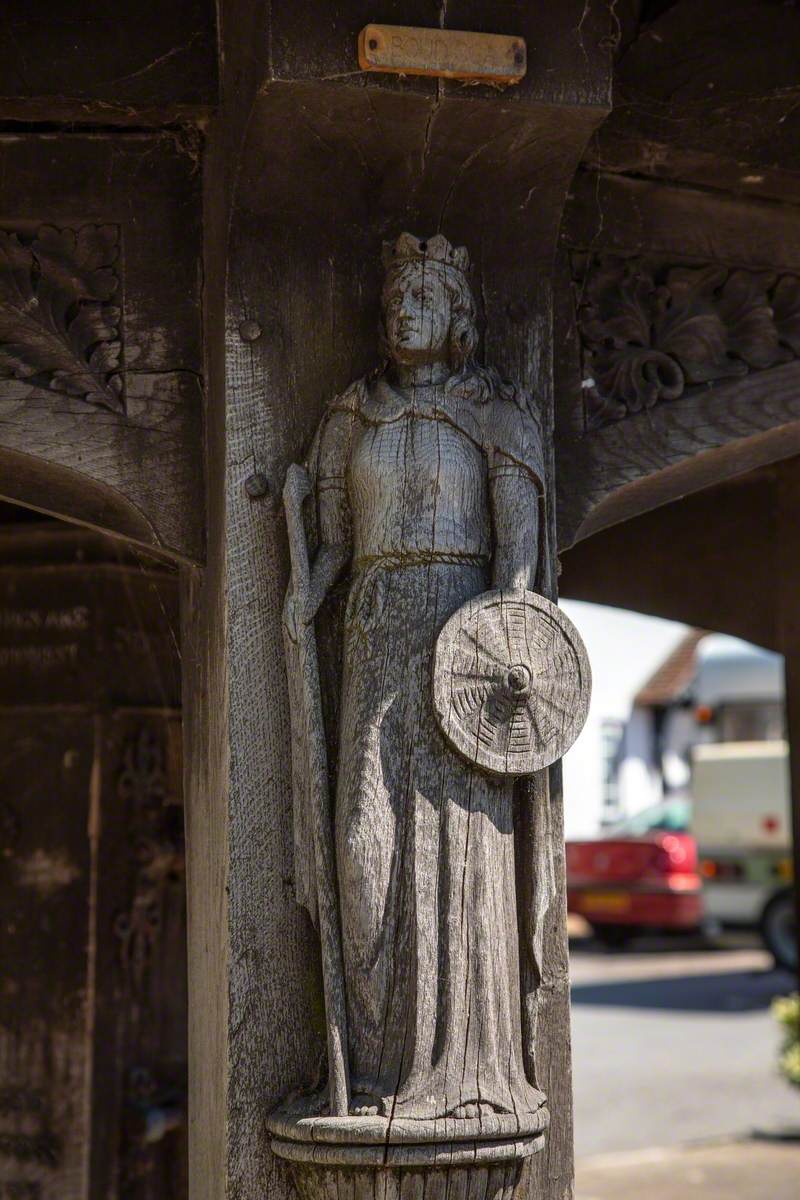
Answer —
(424, 841)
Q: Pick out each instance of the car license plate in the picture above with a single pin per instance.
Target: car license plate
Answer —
(610, 902)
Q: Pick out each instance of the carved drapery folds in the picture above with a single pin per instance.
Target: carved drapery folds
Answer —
(59, 312)
(651, 332)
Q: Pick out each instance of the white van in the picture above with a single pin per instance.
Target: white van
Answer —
(708, 731)
(741, 822)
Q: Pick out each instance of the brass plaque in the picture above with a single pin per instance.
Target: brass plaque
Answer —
(447, 53)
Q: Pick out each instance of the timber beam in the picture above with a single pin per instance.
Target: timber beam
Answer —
(101, 374)
(679, 361)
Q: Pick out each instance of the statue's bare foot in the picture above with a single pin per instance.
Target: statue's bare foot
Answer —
(363, 1106)
(473, 1109)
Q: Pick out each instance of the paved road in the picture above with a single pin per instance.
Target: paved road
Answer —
(674, 1045)
(751, 1170)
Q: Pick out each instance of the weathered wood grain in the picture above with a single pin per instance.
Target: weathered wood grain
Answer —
(302, 273)
(706, 94)
(570, 63)
(614, 214)
(681, 446)
(427, 479)
(138, 1081)
(133, 63)
(709, 432)
(89, 223)
(93, 1012)
(511, 682)
(45, 1055)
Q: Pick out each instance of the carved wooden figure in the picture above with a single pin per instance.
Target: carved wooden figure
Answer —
(427, 482)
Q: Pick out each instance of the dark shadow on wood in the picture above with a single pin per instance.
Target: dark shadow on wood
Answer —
(706, 559)
(61, 492)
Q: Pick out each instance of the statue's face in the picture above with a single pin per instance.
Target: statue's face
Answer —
(417, 315)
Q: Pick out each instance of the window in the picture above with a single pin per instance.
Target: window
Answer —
(750, 721)
(610, 743)
(672, 816)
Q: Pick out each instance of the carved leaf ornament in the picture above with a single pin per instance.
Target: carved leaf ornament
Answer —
(650, 333)
(59, 327)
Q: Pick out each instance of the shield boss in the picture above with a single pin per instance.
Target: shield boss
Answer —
(511, 682)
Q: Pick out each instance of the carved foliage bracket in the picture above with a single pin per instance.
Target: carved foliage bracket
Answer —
(59, 325)
(650, 332)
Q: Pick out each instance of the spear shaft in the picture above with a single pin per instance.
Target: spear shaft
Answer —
(296, 489)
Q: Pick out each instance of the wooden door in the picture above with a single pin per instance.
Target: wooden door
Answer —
(92, 896)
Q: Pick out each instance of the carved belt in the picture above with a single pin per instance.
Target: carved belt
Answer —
(393, 560)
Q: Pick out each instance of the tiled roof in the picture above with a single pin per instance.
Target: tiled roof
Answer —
(676, 672)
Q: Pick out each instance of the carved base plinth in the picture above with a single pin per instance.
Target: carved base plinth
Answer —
(389, 1183)
(372, 1158)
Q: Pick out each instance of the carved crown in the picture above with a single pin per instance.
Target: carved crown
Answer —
(409, 248)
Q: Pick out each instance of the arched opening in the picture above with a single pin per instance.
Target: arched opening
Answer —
(675, 1022)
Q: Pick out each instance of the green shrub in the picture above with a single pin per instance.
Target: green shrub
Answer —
(786, 1010)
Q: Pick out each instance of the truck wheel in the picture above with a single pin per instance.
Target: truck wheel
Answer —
(613, 937)
(779, 931)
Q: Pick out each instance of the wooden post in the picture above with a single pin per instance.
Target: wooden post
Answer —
(787, 533)
(292, 289)
(308, 164)
(792, 669)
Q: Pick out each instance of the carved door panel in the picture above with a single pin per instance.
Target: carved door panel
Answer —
(47, 873)
(92, 906)
(93, 952)
(139, 1081)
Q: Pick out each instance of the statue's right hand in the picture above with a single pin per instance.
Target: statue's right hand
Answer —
(295, 616)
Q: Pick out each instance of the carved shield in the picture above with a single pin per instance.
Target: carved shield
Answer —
(511, 682)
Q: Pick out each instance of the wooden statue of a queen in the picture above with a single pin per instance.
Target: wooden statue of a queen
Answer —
(457, 678)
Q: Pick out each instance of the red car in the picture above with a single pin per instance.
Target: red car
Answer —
(640, 875)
